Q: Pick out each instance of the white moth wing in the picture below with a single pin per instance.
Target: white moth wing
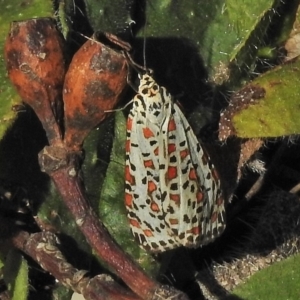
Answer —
(211, 217)
(145, 211)
(172, 198)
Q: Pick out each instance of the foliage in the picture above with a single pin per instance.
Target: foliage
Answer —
(283, 284)
(188, 46)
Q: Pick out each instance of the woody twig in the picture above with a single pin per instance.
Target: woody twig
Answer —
(43, 248)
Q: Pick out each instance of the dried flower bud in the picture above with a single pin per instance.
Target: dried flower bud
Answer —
(96, 77)
(36, 66)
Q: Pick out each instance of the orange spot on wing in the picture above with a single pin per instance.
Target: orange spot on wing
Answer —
(171, 125)
(154, 207)
(148, 232)
(175, 198)
(148, 133)
(214, 217)
(127, 146)
(173, 221)
(155, 151)
(204, 158)
(128, 200)
(195, 230)
(128, 176)
(134, 223)
(148, 164)
(220, 201)
(184, 154)
(215, 174)
(151, 187)
(153, 92)
(129, 124)
(172, 173)
(171, 148)
(199, 196)
(192, 174)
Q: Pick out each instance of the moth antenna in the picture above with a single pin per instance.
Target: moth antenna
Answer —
(85, 36)
(74, 6)
(111, 40)
(144, 42)
(135, 65)
(129, 81)
(144, 50)
(119, 109)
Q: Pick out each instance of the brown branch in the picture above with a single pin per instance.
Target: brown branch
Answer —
(42, 247)
(74, 197)
(63, 168)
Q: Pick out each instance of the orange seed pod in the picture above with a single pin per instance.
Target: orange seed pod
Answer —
(94, 82)
(36, 66)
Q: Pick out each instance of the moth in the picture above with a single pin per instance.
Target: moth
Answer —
(173, 193)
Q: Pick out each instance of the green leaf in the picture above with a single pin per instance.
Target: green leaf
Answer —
(14, 10)
(277, 113)
(280, 281)
(226, 33)
(109, 15)
(2, 260)
(16, 275)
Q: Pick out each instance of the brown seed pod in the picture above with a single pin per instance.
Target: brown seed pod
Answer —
(94, 82)
(36, 66)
